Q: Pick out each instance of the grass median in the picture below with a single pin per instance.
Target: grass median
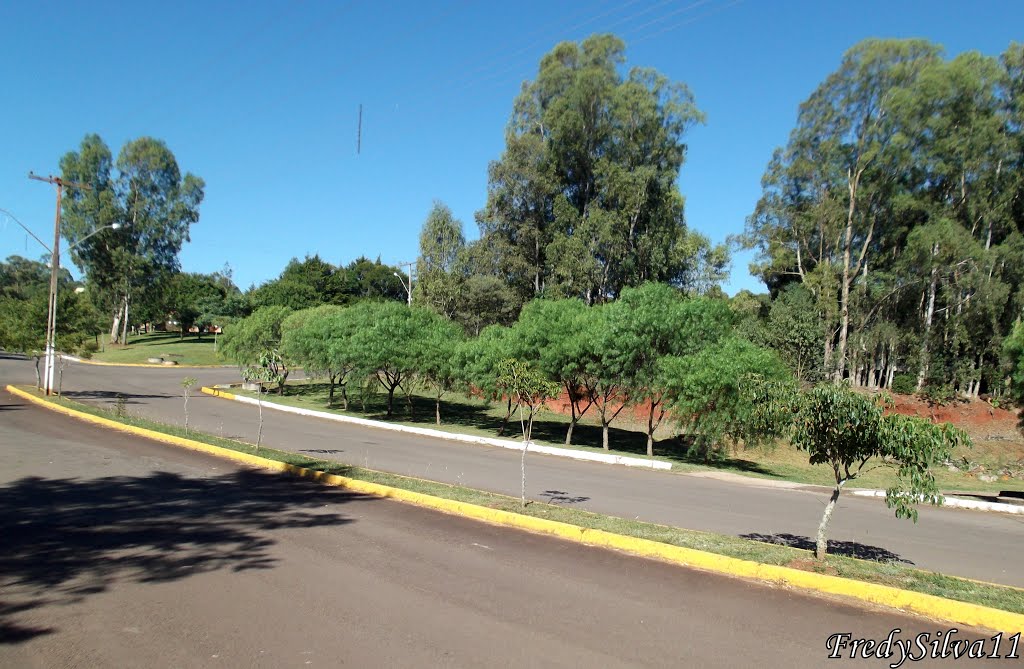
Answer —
(189, 350)
(892, 573)
(782, 462)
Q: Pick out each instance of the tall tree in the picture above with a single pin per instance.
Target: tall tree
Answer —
(439, 277)
(154, 203)
(584, 200)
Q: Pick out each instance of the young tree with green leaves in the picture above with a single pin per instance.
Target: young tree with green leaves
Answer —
(552, 334)
(478, 360)
(531, 390)
(385, 341)
(437, 364)
(254, 343)
(850, 433)
(704, 390)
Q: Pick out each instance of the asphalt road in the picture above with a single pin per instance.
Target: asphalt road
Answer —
(978, 545)
(119, 552)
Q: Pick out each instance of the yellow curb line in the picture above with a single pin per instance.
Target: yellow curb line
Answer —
(937, 608)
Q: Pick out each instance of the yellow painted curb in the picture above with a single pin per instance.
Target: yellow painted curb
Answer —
(216, 392)
(937, 608)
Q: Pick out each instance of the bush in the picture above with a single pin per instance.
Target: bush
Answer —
(938, 394)
(88, 349)
(904, 384)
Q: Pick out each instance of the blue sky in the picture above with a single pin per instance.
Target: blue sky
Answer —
(261, 100)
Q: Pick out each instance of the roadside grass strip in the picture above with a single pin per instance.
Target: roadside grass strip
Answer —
(575, 454)
(936, 596)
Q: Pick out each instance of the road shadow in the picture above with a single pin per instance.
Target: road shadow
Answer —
(110, 396)
(561, 497)
(66, 539)
(846, 548)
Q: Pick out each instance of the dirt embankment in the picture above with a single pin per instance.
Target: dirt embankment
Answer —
(981, 420)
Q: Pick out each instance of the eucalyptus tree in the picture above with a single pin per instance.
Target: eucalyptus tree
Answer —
(146, 193)
(584, 200)
(439, 275)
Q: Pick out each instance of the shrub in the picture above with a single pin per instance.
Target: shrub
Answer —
(904, 384)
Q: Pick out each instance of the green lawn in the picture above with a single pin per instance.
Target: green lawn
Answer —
(877, 570)
(466, 415)
(191, 350)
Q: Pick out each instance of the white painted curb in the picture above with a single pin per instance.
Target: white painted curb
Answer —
(467, 438)
(958, 503)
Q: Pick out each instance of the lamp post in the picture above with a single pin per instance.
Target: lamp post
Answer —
(407, 286)
(51, 310)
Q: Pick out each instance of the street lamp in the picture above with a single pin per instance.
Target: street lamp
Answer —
(51, 312)
(407, 286)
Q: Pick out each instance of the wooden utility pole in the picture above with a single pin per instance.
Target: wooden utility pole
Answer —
(51, 315)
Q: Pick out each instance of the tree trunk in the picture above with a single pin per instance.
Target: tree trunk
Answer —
(922, 373)
(437, 410)
(391, 398)
(124, 324)
(330, 393)
(568, 433)
(115, 328)
(344, 396)
(604, 435)
(259, 402)
(821, 544)
(651, 427)
(508, 415)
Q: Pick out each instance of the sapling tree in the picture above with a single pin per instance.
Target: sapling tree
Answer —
(531, 390)
(186, 385)
(850, 433)
(266, 370)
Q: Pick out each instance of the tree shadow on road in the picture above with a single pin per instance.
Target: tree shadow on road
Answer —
(65, 539)
(110, 396)
(846, 548)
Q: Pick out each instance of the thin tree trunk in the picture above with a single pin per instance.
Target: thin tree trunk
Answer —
(391, 397)
(922, 373)
(604, 435)
(259, 402)
(652, 425)
(821, 544)
(437, 410)
(508, 415)
(124, 324)
(330, 393)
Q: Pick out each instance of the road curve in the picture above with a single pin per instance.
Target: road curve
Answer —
(123, 552)
(976, 545)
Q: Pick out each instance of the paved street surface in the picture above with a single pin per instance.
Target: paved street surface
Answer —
(977, 545)
(119, 552)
